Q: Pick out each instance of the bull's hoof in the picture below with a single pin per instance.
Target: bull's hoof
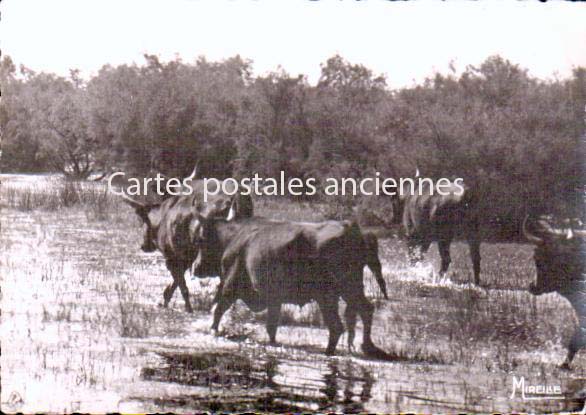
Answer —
(370, 350)
(566, 365)
(330, 352)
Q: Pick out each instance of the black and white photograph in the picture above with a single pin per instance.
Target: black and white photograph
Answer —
(296, 206)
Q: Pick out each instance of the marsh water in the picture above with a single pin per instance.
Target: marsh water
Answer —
(82, 331)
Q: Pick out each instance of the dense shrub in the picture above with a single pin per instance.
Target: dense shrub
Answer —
(515, 139)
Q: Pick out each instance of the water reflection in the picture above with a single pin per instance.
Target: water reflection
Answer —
(235, 382)
(352, 381)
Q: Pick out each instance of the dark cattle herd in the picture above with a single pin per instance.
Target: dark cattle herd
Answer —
(170, 227)
(267, 263)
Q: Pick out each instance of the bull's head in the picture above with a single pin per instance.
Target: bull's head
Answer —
(558, 256)
(205, 237)
(150, 216)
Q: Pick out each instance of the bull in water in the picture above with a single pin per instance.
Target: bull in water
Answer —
(171, 224)
(427, 216)
(267, 263)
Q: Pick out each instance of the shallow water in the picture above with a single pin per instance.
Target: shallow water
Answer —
(81, 331)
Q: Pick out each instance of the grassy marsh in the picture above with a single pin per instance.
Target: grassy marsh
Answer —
(82, 331)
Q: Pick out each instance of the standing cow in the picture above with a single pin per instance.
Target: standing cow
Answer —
(267, 263)
(560, 260)
(170, 227)
(427, 216)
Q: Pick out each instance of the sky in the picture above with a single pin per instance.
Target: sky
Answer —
(405, 41)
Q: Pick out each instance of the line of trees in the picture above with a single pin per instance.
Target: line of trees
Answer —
(517, 139)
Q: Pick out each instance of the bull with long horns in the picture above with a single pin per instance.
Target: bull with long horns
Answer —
(560, 260)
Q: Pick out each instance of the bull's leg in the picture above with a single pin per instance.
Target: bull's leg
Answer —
(577, 297)
(185, 294)
(218, 294)
(366, 309)
(168, 293)
(578, 341)
(358, 303)
(573, 347)
(444, 251)
(273, 316)
(328, 305)
(225, 296)
(350, 317)
(223, 305)
(178, 273)
(474, 245)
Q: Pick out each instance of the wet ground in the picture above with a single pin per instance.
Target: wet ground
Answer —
(81, 331)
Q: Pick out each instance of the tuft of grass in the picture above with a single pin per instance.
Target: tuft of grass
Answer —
(93, 198)
(134, 319)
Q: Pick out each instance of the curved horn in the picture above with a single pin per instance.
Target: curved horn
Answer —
(132, 202)
(579, 233)
(136, 204)
(193, 174)
(232, 212)
(529, 236)
(417, 172)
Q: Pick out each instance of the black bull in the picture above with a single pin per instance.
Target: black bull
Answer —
(560, 261)
(267, 263)
(170, 227)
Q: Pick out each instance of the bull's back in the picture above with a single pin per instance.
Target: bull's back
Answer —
(280, 262)
(432, 215)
